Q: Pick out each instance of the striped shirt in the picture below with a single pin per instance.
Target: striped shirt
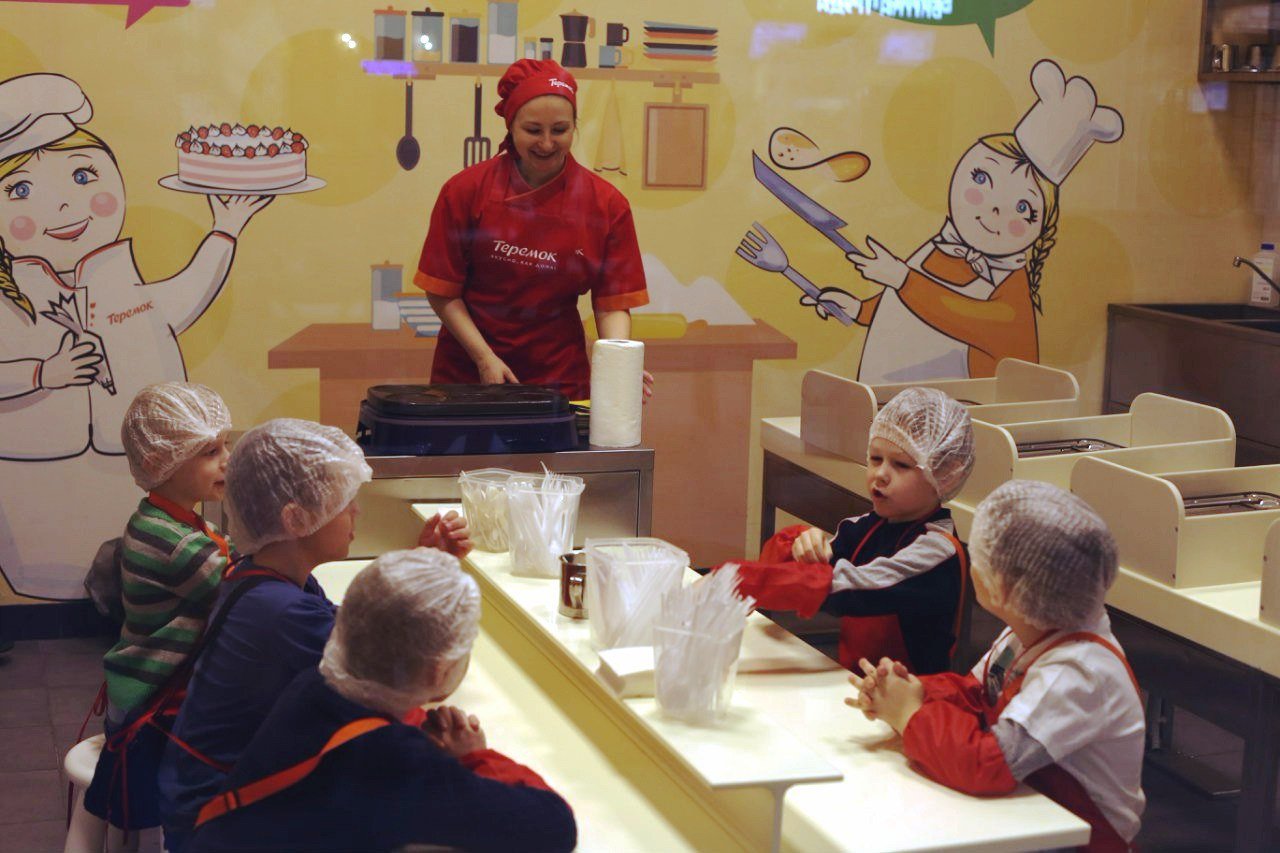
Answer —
(172, 564)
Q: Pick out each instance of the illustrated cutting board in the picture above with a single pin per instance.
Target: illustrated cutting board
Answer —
(675, 146)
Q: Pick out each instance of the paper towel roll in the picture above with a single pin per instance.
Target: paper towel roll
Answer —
(617, 377)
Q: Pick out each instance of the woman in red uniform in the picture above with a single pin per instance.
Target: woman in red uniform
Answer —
(516, 239)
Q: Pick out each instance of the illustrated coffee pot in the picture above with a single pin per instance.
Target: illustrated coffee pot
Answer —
(577, 28)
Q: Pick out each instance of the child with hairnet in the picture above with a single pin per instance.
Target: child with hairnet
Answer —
(896, 573)
(291, 489)
(175, 437)
(1053, 703)
(402, 639)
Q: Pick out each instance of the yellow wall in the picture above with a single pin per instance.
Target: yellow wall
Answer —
(1153, 217)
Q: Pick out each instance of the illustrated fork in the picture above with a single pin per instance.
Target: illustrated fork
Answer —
(760, 249)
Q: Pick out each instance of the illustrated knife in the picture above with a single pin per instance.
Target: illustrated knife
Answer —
(827, 223)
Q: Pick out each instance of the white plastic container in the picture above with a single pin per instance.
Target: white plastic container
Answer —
(1261, 293)
(484, 503)
(542, 517)
(693, 674)
(626, 581)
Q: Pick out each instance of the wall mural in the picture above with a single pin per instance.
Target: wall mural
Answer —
(135, 8)
(982, 14)
(969, 295)
(81, 332)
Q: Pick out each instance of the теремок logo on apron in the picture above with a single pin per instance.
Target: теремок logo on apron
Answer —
(524, 256)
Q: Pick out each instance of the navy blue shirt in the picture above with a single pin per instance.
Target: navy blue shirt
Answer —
(909, 569)
(273, 632)
(383, 790)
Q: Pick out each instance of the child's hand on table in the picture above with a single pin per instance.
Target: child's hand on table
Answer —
(812, 546)
(454, 731)
(450, 534)
(886, 692)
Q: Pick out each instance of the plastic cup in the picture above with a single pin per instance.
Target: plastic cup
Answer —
(542, 517)
(693, 674)
(626, 581)
(484, 503)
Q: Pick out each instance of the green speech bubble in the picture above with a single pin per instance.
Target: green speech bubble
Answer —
(981, 13)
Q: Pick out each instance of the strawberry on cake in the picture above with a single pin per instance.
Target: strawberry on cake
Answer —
(241, 159)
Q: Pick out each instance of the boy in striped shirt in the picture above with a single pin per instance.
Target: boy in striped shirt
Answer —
(175, 437)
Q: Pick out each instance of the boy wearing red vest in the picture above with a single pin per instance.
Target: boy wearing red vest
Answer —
(1053, 703)
(897, 574)
(175, 437)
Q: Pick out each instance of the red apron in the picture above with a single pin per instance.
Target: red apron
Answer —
(531, 257)
(874, 637)
(1053, 781)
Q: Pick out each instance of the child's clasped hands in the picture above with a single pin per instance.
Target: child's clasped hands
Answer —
(887, 692)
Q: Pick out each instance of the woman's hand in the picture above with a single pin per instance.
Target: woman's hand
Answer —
(73, 364)
(831, 299)
(494, 371)
(881, 266)
(231, 213)
(454, 731)
(812, 546)
(647, 392)
(449, 534)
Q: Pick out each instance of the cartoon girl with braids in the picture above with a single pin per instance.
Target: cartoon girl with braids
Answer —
(969, 296)
(80, 332)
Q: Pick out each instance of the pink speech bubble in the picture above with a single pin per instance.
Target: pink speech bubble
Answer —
(137, 8)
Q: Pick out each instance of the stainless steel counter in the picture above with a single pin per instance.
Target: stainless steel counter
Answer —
(618, 500)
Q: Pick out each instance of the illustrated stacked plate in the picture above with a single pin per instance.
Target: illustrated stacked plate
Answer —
(685, 42)
(416, 311)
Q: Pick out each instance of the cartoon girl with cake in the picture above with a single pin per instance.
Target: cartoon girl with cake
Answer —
(80, 331)
(969, 296)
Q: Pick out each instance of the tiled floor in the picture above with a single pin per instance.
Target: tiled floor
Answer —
(46, 687)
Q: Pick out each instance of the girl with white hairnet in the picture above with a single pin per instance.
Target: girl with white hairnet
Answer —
(291, 488)
(1053, 703)
(175, 436)
(897, 573)
(403, 638)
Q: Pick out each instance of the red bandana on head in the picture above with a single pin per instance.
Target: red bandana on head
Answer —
(527, 79)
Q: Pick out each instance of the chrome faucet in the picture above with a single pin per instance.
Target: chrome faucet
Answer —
(1237, 261)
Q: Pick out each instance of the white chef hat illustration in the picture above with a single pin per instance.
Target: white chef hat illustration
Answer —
(1058, 130)
(36, 109)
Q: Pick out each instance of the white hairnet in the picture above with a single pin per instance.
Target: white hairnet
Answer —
(318, 468)
(935, 431)
(403, 620)
(1049, 551)
(168, 424)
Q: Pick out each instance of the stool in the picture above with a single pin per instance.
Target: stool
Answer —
(88, 833)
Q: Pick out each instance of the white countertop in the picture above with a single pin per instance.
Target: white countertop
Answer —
(800, 691)
(522, 722)
(1223, 618)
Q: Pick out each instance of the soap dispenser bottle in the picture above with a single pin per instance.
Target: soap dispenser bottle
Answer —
(1261, 293)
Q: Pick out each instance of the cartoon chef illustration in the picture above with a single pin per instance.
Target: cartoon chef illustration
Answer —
(80, 331)
(969, 296)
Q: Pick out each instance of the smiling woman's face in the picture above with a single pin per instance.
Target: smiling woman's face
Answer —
(62, 205)
(995, 202)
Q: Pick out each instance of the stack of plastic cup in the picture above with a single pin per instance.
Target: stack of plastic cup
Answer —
(697, 637)
(626, 582)
(542, 517)
(693, 674)
(484, 503)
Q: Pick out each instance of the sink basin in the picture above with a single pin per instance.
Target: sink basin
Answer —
(1228, 311)
(1264, 325)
